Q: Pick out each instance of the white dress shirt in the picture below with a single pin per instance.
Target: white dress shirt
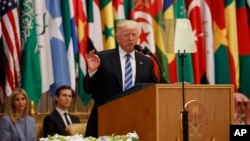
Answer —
(61, 112)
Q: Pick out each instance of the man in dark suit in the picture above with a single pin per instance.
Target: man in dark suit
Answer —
(106, 70)
(56, 122)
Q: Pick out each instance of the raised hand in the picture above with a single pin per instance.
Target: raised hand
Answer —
(93, 61)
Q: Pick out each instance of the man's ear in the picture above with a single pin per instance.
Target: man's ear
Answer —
(56, 98)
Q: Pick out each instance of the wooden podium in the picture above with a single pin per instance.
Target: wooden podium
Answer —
(154, 113)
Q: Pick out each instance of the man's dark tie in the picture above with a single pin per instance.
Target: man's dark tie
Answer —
(128, 73)
(67, 120)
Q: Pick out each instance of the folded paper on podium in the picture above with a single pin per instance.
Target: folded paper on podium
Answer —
(154, 113)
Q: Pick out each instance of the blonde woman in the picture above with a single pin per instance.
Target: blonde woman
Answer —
(17, 125)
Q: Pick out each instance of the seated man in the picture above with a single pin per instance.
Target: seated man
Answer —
(58, 120)
(241, 109)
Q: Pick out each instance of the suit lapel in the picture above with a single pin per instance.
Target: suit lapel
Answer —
(58, 116)
(139, 68)
(115, 60)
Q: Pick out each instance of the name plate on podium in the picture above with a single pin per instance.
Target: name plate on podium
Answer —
(239, 132)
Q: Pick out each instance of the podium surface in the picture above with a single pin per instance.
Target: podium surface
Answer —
(154, 113)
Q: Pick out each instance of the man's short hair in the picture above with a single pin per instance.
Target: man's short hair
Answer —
(63, 87)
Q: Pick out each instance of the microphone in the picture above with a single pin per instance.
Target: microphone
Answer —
(147, 51)
(144, 50)
(138, 48)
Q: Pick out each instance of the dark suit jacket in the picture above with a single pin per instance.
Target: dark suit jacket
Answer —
(15, 131)
(107, 81)
(53, 124)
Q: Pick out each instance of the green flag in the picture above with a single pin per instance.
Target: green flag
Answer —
(30, 64)
(179, 12)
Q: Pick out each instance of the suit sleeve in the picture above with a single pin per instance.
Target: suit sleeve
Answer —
(5, 133)
(49, 127)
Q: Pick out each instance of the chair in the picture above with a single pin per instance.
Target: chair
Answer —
(39, 130)
(76, 128)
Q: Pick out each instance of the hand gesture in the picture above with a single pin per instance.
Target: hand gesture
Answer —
(93, 61)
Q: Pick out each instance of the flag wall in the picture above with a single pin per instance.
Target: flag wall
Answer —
(65, 35)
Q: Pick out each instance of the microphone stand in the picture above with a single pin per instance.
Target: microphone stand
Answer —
(184, 111)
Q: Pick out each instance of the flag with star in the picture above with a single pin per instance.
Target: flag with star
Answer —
(168, 13)
(143, 16)
(58, 47)
(82, 34)
(11, 47)
(198, 58)
(222, 69)
(107, 18)
(230, 18)
(30, 52)
(179, 12)
(244, 47)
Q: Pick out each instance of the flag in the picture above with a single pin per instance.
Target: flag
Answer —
(161, 54)
(179, 12)
(208, 34)
(230, 18)
(30, 68)
(107, 18)
(12, 47)
(244, 47)
(123, 9)
(118, 10)
(43, 44)
(94, 26)
(143, 16)
(58, 48)
(172, 67)
(69, 37)
(198, 58)
(82, 32)
(73, 32)
(222, 70)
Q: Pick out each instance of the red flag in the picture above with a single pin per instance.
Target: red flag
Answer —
(12, 47)
(244, 47)
(198, 58)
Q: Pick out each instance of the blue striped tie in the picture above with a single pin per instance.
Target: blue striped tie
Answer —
(128, 73)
